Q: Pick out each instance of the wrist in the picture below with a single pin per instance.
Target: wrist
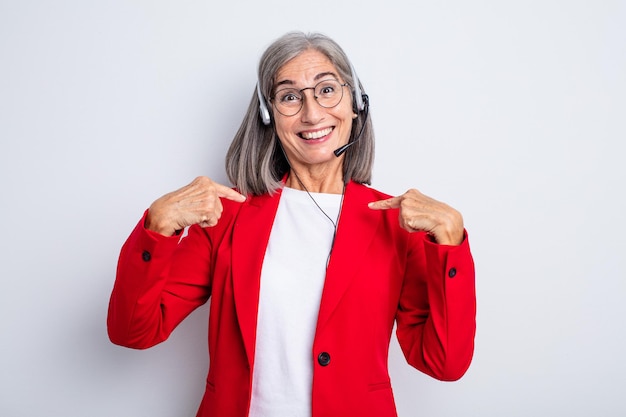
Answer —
(153, 224)
(453, 231)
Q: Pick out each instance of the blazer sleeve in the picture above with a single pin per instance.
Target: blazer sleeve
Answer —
(160, 281)
(436, 318)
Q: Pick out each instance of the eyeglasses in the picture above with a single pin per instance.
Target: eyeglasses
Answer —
(327, 93)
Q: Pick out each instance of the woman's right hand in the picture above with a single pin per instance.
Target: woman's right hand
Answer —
(195, 203)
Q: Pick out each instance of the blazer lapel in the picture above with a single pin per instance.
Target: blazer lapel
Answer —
(250, 237)
(356, 229)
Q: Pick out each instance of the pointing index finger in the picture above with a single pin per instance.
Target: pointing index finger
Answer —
(230, 194)
(390, 203)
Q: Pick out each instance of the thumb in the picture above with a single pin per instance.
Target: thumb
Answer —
(390, 203)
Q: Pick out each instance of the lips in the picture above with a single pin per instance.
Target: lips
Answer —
(316, 135)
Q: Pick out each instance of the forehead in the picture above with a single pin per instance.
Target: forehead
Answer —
(305, 68)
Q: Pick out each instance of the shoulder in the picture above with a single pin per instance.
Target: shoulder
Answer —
(357, 198)
(255, 206)
(256, 211)
(366, 192)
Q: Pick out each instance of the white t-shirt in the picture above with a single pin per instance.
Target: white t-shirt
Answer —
(292, 279)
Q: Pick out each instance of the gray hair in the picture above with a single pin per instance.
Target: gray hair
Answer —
(255, 162)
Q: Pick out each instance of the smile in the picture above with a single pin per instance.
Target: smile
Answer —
(315, 135)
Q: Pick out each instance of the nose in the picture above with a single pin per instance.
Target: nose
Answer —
(311, 111)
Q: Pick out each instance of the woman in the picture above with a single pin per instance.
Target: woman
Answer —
(307, 268)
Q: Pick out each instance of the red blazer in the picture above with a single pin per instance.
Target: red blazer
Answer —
(378, 273)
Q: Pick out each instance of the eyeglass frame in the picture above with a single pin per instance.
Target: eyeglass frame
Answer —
(301, 91)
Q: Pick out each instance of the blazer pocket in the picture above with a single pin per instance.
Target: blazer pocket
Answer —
(379, 385)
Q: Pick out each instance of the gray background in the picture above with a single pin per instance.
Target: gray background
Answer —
(512, 112)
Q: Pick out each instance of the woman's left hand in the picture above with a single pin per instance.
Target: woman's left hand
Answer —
(419, 212)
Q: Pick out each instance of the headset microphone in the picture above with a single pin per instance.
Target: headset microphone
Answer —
(365, 100)
(361, 102)
(339, 151)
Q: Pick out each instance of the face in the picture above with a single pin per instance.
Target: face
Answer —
(310, 136)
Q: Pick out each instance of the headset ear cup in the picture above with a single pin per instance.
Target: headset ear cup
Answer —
(359, 102)
(264, 112)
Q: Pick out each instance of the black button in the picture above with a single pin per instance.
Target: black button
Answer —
(323, 358)
(452, 272)
(146, 256)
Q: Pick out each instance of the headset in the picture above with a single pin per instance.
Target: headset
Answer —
(263, 110)
(360, 99)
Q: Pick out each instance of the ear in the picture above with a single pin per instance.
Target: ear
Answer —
(354, 115)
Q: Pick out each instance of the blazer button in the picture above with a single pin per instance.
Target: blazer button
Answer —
(452, 272)
(323, 358)
(146, 256)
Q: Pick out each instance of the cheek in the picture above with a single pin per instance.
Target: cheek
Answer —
(346, 117)
(281, 126)
(346, 112)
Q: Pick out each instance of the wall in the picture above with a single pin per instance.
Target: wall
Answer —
(512, 112)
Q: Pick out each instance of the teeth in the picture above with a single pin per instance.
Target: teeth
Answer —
(318, 134)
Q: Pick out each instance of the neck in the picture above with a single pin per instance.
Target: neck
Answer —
(306, 181)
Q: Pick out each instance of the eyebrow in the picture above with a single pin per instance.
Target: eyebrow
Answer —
(316, 78)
